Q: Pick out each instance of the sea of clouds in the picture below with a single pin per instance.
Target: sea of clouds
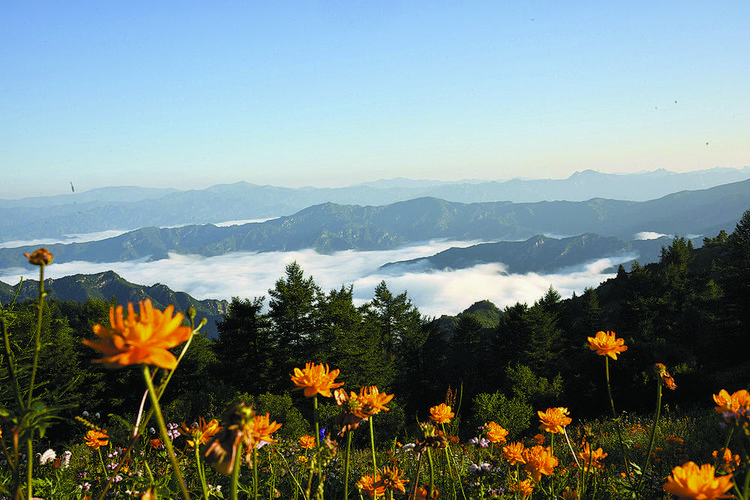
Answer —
(252, 274)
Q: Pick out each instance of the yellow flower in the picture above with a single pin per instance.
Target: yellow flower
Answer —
(316, 379)
(391, 480)
(691, 481)
(441, 414)
(539, 460)
(495, 433)
(373, 401)
(96, 439)
(554, 419)
(141, 338)
(606, 344)
(308, 442)
(41, 257)
(371, 486)
(201, 432)
(592, 458)
(513, 453)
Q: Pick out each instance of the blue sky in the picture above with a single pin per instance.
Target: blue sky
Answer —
(331, 93)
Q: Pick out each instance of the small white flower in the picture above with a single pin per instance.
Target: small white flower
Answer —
(47, 457)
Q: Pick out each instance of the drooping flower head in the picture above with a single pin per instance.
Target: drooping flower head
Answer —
(96, 438)
(140, 338)
(201, 431)
(316, 379)
(41, 257)
(666, 378)
(391, 480)
(607, 344)
(495, 432)
(691, 481)
(441, 414)
(554, 419)
(539, 460)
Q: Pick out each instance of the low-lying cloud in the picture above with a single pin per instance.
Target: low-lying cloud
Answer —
(250, 274)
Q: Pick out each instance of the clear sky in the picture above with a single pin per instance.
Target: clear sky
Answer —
(328, 93)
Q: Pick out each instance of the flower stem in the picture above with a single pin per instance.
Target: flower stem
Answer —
(432, 474)
(617, 420)
(37, 334)
(163, 430)
(236, 472)
(201, 471)
(346, 465)
(653, 433)
(372, 446)
(255, 473)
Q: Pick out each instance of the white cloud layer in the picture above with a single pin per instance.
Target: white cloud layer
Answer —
(247, 275)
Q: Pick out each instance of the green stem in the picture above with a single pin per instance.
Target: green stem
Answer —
(37, 334)
(652, 438)
(617, 420)
(346, 465)
(236, 472)
(372, 447)
(163, 430)
(29, 462)
(255, 473)
(11, 364)
(201, 471)
(432, 474)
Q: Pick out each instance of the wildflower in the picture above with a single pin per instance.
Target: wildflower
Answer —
(371, 486)
(47, 457)
(495, 433)
(41, 257)
(539, 460)
(513, 453)
(606, 344)
(201, 432)
(156, 443)
(525, 488)
(538, 439)
(433, 438)
(739, 400)
(691, 481)
(258, 433)
(666, 378)
(591, 458)
(373, 401)
(423, 493)
(554, 419)
(316, 379)
(391, 480)
(308, 442)
(441, 414)
(172, 430)
(726, 462)
(96, 439)
(141, 338)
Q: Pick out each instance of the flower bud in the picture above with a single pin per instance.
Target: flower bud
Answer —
(41, 257)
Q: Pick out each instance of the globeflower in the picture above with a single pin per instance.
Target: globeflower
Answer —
(308, 442)
(316, 379)
(141, 338)
(495, 432)
(592, 458)
(96, 438)
(371, 485)
(513, 453)
(539, 460)
(691, 481)
(373, 401)
(201, 432)
(391, 480)
(441, 414)
(606, 344)
(739, 400)
(41, 257)
(554, 420)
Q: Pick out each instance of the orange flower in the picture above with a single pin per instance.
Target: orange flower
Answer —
(308, 442)
(155, 443)
(371, 486)
(201, 432)
(606, 344)
(691, 481)
(423, 493)
(513, 453)
(41, 257)
(525, 488)
(373, 401)
(554, 419)
(261, 429)
(725, 460)
(391, 480)
(539, 460)
(495, 433)
(316, 379)
(666, 378)
(538, 438)
(592, 458)
(441, 414)
(739, 400)
(141, 338)
(96, 438)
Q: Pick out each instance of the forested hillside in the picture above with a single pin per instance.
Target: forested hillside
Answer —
(690, 311)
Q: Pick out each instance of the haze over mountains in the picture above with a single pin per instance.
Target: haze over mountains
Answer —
(425, 244)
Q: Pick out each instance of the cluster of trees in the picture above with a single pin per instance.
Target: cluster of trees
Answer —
(690, 311)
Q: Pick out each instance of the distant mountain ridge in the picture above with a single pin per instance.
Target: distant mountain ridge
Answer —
(129, 208)
(329, 227)
(107, 285)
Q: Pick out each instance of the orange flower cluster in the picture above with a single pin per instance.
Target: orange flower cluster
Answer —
(539, 460)
(495, 433)
(316, 379)
(41, 257)
(441, 414)
(607, 344)
(691, 481)
(200, 431)
(96, 438)
(554, 420)
(141, 338)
